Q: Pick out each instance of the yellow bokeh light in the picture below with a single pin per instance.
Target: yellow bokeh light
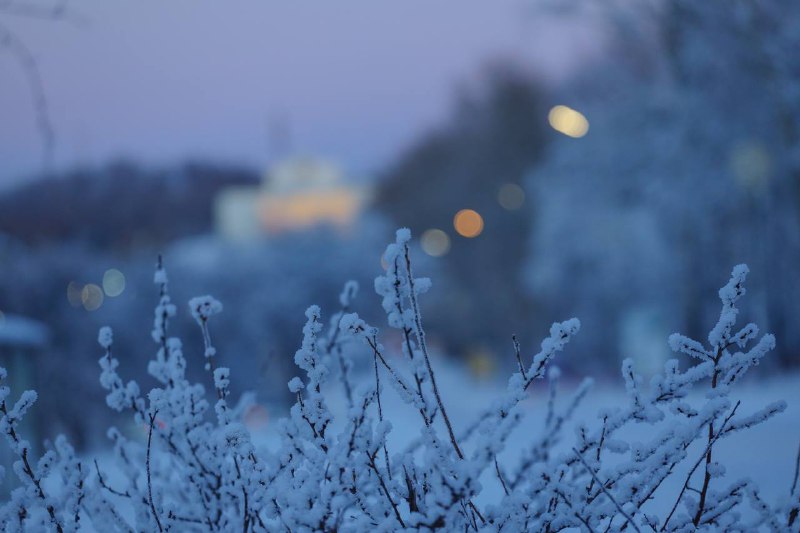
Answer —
(113, 282)
(511, 196)
(435, 242)
(481, 364)
(92, 297)
(468, 223)
(568, 121)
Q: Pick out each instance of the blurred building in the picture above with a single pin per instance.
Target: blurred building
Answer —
(294, 194)
(21, 340)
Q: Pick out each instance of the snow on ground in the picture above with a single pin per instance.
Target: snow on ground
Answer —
(766, 453)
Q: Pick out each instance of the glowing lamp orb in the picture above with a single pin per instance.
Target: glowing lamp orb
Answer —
(468, 223)
(566, 120)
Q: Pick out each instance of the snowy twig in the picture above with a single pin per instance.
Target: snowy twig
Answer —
(606, 491)
(711, 442)
(149, 479)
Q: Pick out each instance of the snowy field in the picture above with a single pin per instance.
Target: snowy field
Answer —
(765, 453)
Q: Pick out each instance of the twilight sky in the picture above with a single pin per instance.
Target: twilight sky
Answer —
(356, 80)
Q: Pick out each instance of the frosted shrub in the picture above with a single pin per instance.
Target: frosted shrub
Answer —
(198, 470)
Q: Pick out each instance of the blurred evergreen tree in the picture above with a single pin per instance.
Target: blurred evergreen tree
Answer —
(494, 137)
(120, 206)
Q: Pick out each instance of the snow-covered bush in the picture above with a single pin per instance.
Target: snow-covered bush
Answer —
(273, 280)
(198, 469)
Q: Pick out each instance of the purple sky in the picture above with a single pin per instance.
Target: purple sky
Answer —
(357, 79)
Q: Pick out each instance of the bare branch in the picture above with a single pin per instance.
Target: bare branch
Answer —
(149, 480)
(30, 68)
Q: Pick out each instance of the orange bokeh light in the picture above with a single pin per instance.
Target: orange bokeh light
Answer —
(468, 223)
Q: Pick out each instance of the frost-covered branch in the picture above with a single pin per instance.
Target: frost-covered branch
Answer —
(198, 469)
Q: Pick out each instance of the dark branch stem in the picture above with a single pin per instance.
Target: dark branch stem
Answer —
(517, 352)
(26, 467)
(380, 412)
(711, 439)
(697, 464)
(385, 488)
(110, 489)
(796, 471)
(420, 333)
(500, 475)
(607, 493)
(149, 480)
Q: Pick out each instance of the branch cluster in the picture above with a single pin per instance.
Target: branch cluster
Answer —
(199, 470)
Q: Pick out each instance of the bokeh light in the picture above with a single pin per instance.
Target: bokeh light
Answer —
(566, 120)
(256, 417)
(468, 223)
(481, 363)
(751, 165)
(92, 297)
(74, 291)
(113, 282)
(435, 242)
(511, 196)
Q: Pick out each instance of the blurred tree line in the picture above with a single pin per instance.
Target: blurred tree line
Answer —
(64, 231)
(120, 206)
(690, 166)
(494, 136)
